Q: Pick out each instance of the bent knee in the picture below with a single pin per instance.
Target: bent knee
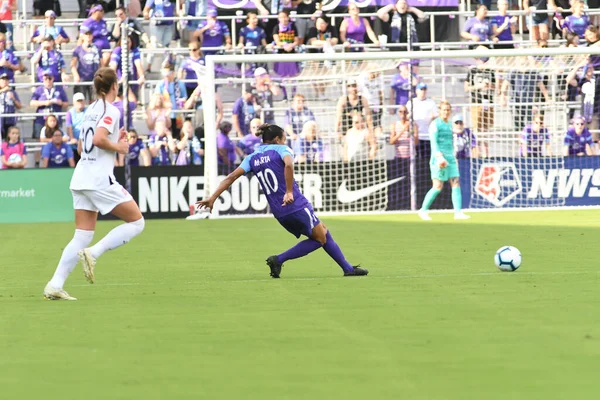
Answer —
(140, 224)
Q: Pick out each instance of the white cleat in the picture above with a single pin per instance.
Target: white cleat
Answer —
(424, 215)
(52, 293)
(461, 215)
(88, 262)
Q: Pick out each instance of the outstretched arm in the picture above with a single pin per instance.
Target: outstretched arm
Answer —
(223, 186)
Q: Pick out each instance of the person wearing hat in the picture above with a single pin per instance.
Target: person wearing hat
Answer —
(47, 99)
(100, 34)
(245, 109)
(49, 28)
(85, 62)
(213, 33)
(264, 91)
(424, 111)
(9, 104)
(443, 164)
(48, 58)
(161, 32)
(465, 143)
(9, 63)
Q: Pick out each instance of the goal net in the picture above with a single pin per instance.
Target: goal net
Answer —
(358, 125)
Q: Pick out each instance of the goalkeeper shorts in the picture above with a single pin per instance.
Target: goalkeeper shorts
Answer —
(443, 174)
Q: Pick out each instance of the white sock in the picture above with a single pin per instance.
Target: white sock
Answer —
(69, 257)
(119, 236)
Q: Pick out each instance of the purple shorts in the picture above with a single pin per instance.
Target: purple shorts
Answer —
(300, 222)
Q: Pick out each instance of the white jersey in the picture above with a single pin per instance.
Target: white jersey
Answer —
(95, 170)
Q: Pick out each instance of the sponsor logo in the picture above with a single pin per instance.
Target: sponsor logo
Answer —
(107, 120)
(350, 196)
(498, 183)
(564, 183)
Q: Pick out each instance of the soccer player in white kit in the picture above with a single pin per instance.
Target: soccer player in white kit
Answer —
(95, 188)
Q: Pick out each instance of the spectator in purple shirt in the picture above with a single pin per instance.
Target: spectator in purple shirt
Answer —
(504, 26)
(213, 33)
(138, 153)
(577, 22)
(191, 68)
(119, 104)
(225, 146)
(249, 143)
(47, 99)
(478, 28)
(9, 63)
(9, 104)
(161, 32)
(402, 86)
(297, 116)
(534, 138)
(308, 147)
(136, 69)
(48, 58)
(244, 111)
(465, 143)
(578, 140)
(57, 153)
(84, 63)
(252, 35)
(355, 28)
(99, 29)
(57, 32)
(161, 144)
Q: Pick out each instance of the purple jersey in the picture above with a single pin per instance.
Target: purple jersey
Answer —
(253, 37)
(534, 140)
(134, 152)
(215, 36)
(42, 94)
(7, 106)
(245, 113)
(268, 166)
(312, 150)
(577, 25)
(192, 71)
(463, 143)
(52, 61)
(224, 142)
(480, 28)
(134, 55)
(297, 119)
(402, 88)
(249, 144)
(57, 156)
(132, 106)
(506, 34)
(10, 57)
(99, 31)
(162, 158)
(88, 62)
(577, 143)
(160, 9)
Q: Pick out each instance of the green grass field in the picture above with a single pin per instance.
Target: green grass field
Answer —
(188, 311)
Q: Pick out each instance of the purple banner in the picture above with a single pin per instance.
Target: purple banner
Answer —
(329, 5)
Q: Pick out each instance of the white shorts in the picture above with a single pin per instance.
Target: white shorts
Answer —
(104, 200)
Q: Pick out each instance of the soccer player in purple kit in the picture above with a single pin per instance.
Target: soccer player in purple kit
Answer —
(273, 165)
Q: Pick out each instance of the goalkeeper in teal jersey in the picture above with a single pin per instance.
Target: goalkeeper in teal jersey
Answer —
(443, 163)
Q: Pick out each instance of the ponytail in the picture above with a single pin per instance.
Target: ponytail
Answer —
(104, 79)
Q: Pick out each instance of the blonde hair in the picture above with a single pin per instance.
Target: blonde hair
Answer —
(308, 127)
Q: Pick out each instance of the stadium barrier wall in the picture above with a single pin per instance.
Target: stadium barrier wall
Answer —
(36, 195)
(168, 191)
(520, 182)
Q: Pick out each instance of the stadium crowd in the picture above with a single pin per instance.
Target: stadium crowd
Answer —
(172, 132)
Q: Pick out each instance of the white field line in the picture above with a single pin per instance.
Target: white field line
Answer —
(420, 276)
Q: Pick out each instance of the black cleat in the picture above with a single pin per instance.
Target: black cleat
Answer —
(357, 271)
(273, 263)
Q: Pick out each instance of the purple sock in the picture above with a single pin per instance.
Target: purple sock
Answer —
(334, 251)
(299, 250)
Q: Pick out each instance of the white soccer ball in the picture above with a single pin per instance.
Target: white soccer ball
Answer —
(15, 158)
(508, 258)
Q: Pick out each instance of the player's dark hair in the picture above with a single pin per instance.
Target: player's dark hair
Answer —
(269, 132)
(104, 79)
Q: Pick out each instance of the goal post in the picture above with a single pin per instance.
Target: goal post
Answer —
(389, 181)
